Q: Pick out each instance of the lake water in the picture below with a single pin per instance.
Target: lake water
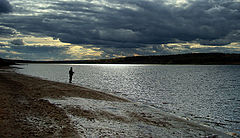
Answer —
(209, 94)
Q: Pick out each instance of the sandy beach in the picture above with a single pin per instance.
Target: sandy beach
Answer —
(32, 107)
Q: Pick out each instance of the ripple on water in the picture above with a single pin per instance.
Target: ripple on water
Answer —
(211, 90)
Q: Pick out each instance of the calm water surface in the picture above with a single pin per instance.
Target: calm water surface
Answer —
(209, 94)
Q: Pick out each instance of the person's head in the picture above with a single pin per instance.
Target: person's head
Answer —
(70, 68)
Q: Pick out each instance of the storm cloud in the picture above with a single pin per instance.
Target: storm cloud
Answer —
(5, 7)
(136, 22)
(126, 24)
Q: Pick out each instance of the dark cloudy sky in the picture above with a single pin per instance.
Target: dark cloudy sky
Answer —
(93, 29)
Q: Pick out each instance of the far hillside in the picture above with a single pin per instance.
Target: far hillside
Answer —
(192, 58)
(5, 62)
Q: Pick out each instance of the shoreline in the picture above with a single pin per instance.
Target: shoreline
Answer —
(35, 107)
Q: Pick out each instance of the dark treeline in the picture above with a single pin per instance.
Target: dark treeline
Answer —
(193, 58)
(4, 62)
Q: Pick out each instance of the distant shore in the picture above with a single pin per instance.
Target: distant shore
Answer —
(179, 59)
(32, 107)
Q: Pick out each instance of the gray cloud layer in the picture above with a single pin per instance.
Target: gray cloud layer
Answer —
(5, 7)
(127, 23)
(134, 23)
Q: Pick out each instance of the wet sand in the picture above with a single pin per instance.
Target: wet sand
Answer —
(32, 107)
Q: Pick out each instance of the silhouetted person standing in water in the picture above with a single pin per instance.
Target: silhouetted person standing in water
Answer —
(70, 75)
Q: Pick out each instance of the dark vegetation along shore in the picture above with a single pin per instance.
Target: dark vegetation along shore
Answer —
(193, 58)
(5, 62)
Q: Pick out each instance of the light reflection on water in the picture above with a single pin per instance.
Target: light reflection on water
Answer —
(209, 93)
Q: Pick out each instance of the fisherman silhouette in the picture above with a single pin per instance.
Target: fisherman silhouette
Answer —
(70, 75)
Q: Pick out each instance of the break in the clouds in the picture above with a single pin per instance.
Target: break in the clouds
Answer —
(17, 42)
(115, 28)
